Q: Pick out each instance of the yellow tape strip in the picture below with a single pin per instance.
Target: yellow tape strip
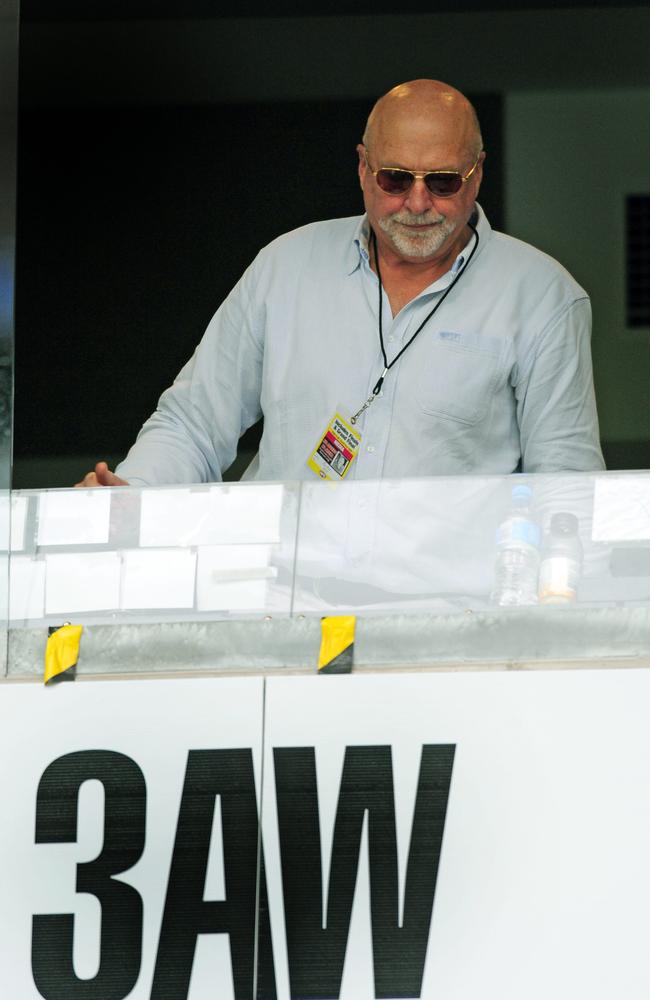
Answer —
(62, 650)
(337, 644)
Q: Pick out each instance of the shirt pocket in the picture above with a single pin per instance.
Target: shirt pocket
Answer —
(459, 375)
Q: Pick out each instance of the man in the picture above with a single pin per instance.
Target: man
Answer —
(412, 341)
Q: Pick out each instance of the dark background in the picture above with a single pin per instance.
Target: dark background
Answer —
(141, 224)
(134, 219)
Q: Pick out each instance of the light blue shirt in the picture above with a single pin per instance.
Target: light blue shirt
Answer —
(500, 379)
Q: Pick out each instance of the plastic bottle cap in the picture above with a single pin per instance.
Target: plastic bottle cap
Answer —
(564, 523)
(521, 492)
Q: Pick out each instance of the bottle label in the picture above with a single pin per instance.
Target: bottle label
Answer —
(558, 579)
(518, 530)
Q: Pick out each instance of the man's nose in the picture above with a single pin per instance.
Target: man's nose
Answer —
(419, 198)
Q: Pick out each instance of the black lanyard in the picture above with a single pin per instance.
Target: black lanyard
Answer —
(387, 367)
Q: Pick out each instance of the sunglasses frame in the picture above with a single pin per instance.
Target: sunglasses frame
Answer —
(421, 175)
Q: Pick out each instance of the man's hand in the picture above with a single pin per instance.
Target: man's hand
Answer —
(102, 476)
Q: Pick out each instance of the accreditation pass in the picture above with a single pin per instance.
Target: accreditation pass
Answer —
(335, 452)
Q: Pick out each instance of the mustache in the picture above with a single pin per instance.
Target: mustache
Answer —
(427, 218)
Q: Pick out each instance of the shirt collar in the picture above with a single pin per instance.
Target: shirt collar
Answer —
(359, 250)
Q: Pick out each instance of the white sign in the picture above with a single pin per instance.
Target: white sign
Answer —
(543, 885)
(443, 836)
(143, 796)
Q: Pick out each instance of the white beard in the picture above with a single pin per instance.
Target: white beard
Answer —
(417, 243)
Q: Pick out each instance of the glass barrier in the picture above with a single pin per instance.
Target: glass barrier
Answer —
(468, 543)
(119, 556)
(8, 131)
(497, 545)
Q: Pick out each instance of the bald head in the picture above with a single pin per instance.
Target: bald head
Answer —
(434, 109)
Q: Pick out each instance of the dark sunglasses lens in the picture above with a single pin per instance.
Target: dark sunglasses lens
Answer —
(443, 185)
(394, 181)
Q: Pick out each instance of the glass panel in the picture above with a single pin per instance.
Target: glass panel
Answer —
(131, 556)
(8, 117)
(498, 569)
(523, 567)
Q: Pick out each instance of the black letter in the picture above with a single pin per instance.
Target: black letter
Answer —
(124, 836)
(228, 773)
(316, 956)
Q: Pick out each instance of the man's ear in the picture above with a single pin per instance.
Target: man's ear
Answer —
(363, 166)
(478, 173)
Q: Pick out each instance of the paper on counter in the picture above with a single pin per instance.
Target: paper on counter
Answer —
(82, 581)
(18, 521)
(233, 577)
(74, 517)
(212, 516)
(158, 578)
(26, 588)
(245, 514)
(170, 517)
(621, 508)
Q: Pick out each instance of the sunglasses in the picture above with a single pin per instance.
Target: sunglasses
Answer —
(440, 183)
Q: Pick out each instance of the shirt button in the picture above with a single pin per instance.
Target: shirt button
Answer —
(370, 447)
(391, 340)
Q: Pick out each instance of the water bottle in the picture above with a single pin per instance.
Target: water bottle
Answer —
(561, 564)
(517, 563)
